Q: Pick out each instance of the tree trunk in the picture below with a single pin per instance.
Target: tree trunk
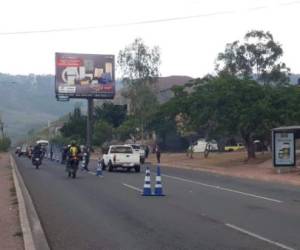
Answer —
(250, 148)
(192, 151)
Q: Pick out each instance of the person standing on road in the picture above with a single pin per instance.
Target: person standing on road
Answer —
(146, 151)
(157, 152)
(51, 153)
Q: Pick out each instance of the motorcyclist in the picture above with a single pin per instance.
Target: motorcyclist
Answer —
(74, 156)
(37, 152)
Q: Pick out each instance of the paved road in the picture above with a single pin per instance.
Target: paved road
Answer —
(200, 210)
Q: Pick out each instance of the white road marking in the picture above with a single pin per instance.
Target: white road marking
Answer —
(90, 172)
(132, 187)
(259, 237)
(222, 188)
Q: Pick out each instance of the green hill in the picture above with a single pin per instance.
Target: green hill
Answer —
(28, 102)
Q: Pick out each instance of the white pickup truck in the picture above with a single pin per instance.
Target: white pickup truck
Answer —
(121, 156)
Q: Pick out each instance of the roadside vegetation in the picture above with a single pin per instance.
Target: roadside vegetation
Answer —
(249, 95)
(5, 141)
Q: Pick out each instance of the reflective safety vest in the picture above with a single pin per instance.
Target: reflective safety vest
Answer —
(73, 151)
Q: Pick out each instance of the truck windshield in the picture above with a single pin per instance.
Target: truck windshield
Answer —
(122, 150)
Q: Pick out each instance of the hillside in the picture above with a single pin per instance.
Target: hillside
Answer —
(164, 86)
(28, 102)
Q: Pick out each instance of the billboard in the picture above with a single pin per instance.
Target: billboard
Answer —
(284, 149)
(84, 76)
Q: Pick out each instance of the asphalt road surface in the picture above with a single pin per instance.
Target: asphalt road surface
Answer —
(200, 210)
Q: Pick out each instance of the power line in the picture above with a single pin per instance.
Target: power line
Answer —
(152, 21)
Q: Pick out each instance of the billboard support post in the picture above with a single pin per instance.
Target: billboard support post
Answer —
(89, 124)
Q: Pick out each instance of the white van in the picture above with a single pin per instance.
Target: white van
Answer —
(201, 144)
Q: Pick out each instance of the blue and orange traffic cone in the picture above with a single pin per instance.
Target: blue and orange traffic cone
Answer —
(147, 184)
(99, 169)
(158, 184)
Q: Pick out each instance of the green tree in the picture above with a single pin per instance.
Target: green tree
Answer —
(139, 63)
(230, 106)
(75, 127)
(111, 113)
(257, 57)
(140, 68)
(103, 132)
(127, 130)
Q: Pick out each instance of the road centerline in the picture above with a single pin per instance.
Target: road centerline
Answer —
(254, 235)
(223, 188)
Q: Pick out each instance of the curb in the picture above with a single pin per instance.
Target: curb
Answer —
(33, 233)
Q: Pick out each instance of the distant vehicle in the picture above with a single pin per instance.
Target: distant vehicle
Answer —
(236, 147)
(37, 161)
(44, 143)
(202, 144)
(18, 150)
(121, 156)
(139, 150)
(23, 150)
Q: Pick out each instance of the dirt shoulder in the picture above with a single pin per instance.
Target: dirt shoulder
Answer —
(10, 229)
(231, 164)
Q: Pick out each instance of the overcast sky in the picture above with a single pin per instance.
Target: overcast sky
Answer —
(188, 46)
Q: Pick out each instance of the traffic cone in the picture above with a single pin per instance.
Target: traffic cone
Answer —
(158, 184)
(147, 184)
(82, 164)
(99, 169)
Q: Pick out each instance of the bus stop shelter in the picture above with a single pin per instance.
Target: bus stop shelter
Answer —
(284, 147)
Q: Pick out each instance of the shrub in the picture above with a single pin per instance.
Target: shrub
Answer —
(4, 144)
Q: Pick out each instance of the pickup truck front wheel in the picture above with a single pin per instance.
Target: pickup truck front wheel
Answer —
(110, 167)
(137, 169)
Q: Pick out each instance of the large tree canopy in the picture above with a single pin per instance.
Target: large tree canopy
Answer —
(139, 62)
(257, 57)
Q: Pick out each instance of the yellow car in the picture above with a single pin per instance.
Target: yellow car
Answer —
(237, 147)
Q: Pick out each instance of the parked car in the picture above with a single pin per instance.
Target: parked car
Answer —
(235, 147)
(121, 156)
(202, 144)
(139, 150)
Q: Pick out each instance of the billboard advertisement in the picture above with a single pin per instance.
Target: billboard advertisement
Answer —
(84, 76)
(284, 149)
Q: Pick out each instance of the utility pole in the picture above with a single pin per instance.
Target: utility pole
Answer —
(2, 128)
(89, 123)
